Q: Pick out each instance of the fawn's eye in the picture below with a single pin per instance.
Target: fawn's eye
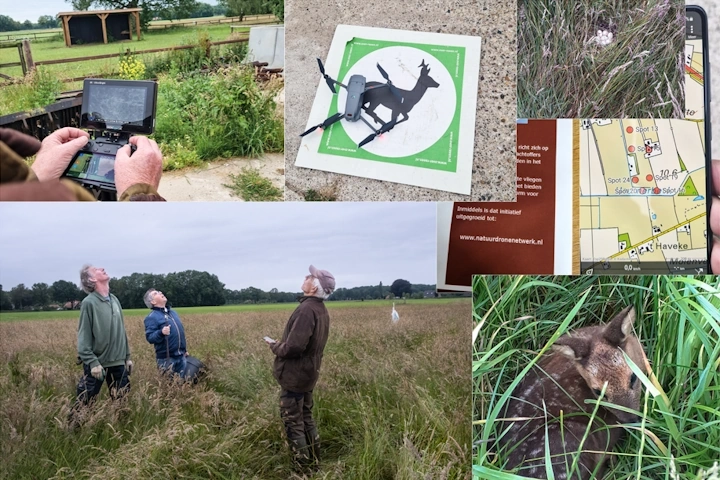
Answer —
(597, 392)
(633, 377)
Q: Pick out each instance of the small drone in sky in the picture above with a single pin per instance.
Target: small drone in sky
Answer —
(367, 96)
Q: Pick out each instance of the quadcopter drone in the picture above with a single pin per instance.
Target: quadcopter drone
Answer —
(367, 96)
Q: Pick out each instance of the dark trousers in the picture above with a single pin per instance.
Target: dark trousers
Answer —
(296, 413)
(173, 364)
(88, 387)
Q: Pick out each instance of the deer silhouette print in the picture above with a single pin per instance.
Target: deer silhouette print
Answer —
(375, 97)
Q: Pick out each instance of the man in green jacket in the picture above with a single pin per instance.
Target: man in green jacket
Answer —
(298, 356)
(103, 345)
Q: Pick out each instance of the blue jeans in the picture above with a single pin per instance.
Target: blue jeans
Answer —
(174, 364)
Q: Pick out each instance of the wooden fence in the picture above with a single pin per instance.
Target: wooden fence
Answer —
(157, 25)
(35, 35)
(110, 55)
(247, 19)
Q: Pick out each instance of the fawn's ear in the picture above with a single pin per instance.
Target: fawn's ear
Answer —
(574, 348)
(620, 327)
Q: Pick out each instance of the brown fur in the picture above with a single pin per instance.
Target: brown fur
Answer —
(580, 363)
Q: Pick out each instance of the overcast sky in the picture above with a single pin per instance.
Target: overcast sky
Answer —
(264, 245)
(34, 9)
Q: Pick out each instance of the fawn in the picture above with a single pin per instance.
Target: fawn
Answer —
(578, 367)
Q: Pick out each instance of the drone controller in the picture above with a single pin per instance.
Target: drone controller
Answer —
(112, 110)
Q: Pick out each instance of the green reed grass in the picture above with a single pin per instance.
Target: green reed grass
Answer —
(678, 324)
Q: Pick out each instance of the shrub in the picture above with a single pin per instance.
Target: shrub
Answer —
(221, 115)
(38, 89)
(131, 67)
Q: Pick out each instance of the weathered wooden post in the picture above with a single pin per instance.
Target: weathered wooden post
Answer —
(27, 59)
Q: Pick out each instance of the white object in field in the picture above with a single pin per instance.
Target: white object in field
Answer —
(267, 44)
(395, 315)
(603, 37)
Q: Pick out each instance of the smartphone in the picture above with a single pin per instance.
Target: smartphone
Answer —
(645, 184)
(269, 340)
(697, 93)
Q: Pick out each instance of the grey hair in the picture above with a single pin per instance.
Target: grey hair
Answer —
(320, 293)
(147, 298)
(87, 283)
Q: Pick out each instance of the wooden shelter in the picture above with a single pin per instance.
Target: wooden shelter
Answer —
(92, 26)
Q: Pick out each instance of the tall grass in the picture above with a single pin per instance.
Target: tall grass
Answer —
(210, 116)
(392, 402)
(563, 73)
(678, 324)
(36, 90)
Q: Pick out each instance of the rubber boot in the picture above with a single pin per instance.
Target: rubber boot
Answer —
(313, 440)
(301, 452)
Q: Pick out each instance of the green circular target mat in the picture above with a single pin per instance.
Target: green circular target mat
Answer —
(431, 111)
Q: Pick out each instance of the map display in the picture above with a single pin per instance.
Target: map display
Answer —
(694, 81)
(643, 198)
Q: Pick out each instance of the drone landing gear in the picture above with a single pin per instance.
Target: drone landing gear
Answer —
(385, 128)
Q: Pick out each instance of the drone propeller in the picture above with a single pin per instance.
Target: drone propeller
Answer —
(389, 82)
(385, 128)
(325, 124)
(330, 82)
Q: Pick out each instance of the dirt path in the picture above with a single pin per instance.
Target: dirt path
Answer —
(206, 183)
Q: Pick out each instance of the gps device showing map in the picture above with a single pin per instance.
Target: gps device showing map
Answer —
(644, 188)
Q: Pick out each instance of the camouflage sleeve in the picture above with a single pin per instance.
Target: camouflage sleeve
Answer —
(141, 192)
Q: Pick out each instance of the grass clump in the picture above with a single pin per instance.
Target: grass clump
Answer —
(253, 187)
(564, 73)
(383, 412)
(322, 195)
(678, 324)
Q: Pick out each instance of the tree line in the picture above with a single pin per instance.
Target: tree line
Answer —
(156, 10)
(7, 24)
(190, 288)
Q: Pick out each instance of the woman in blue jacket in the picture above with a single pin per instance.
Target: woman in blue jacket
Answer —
(164, 329)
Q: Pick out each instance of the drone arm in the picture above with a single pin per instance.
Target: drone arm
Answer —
(328, 121)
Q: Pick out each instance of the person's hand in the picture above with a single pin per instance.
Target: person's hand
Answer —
(187, 354)
(144, 166)
(715, 217)
(166, 330)
(56, 152)
(128, 366)
(97, 372)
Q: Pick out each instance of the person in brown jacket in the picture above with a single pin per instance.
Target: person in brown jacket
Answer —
(298, 356)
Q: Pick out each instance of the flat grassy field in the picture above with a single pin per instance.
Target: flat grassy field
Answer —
(10, 316)
(564, 73)
(392, 402)
(678, 325)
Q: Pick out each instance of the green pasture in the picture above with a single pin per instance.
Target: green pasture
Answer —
(9, 316)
